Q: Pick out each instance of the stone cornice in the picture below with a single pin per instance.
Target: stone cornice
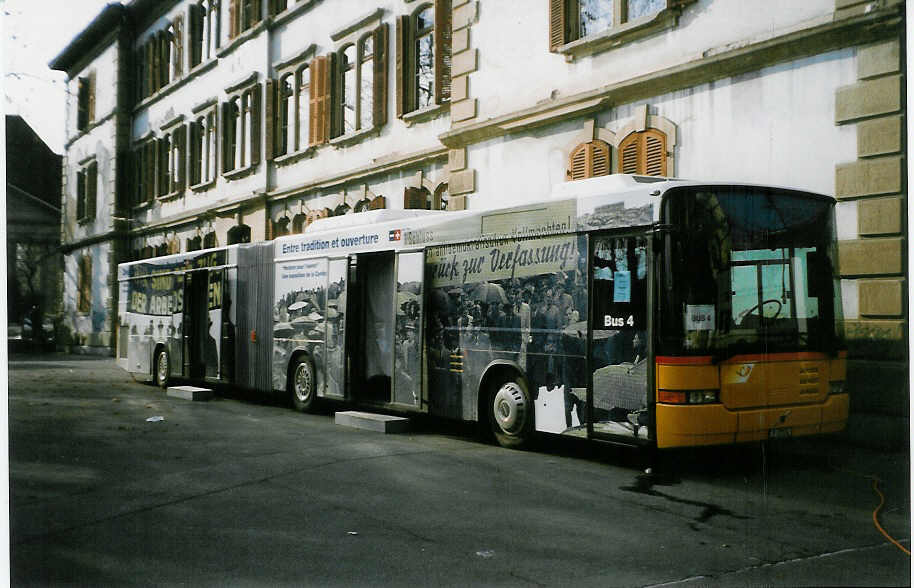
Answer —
(711, 65)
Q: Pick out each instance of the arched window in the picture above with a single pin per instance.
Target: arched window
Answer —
(441, 197)
(286, 113)
(195, 243)
(364, 118)
(349, 89)
(239, 234)
(643, 153)
(425, 57)
(209, 240)
(303, 102)
(588, 160)
(281, 227)
(299, 222)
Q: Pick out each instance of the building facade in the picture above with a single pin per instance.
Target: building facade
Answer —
(196, 123)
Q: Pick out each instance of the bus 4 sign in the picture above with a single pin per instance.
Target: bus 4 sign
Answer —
(612, 321)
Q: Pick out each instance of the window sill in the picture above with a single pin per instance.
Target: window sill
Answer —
(84, 221)
(175, 84)
(426, 114)
(170, 196)
(203, 186)
(354, 137)
(289, 158)
(624, 33)
(235, 174)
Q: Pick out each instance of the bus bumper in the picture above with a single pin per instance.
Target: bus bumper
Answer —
(714, 424)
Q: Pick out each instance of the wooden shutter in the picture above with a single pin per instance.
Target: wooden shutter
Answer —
(379, 113)
(228, 149)
(319, 111)
(234, 16)
(589, 160)
(654, 153)
(84, 293)
(181, 137)
(178, 57)
(272, 129)
(414, 198)
(256, 118)
(643, 153)
(195, 33)
(442, 51)
(556, 24)
(80, 195)
(91, 106)
(403, 69)
(91, 190)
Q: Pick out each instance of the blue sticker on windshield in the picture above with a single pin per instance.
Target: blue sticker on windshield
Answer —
(622, 288)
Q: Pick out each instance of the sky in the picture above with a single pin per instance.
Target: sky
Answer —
(34, 32)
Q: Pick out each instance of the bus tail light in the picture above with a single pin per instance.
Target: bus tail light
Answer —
(687, 396)
(836, 387)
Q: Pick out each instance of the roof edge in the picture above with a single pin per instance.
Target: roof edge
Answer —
(111, 16)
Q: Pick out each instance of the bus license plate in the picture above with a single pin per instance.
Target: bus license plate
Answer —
(782, 433)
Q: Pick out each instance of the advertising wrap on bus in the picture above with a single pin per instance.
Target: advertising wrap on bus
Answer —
(637, 310)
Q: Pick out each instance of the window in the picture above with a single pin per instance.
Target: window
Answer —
(84, 284)
(588, 160)
(287, 111)
(85, 102)
(195, 243)
(203, 31)
(163, 168)
(241, 130)
(281, 227)
(424, 57)
(173, 151)
(347, 90)
(176, 36)
(277, 6)
(203, 148)
(239, 234)
(209, 240)
(570, 20)
(86, 191)
(243, 14)
(643, 152)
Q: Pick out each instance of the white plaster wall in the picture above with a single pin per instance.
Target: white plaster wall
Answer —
(105, 68)
(514, 52)
(96, 320)
(775, 126)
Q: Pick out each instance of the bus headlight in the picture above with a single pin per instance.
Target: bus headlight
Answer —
(836, 387)
(687, 396)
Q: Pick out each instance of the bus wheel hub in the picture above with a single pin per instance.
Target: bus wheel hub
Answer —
(510, 408)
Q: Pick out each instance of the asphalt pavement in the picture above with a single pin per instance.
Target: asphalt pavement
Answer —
(243, 491)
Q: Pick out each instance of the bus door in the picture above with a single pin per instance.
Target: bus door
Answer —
(408, 332)
(370, 331)
(619, 346)
(337, 274)
(202, 323)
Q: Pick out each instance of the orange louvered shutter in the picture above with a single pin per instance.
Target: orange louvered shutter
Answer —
(556, 24)
(643, 153)
(442, 51)
(589, 160)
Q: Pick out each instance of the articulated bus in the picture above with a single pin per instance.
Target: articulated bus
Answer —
(646, 311)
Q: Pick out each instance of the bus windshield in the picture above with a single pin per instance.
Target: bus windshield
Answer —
(748, 270)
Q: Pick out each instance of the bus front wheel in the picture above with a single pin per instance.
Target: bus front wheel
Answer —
(511, 413)
(302, 385)
(162, 369)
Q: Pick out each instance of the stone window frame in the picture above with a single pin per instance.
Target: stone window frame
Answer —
(203, 146)
(87, 190)
(564, 36)
(85, 101)
(204, 25)
(407, 65)
(244, 15)
(298, 139)
(241, 118)
(172, 159)
(642, 123)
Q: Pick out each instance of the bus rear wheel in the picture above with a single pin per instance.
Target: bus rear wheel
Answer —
(511, 413)
(161, 369)
(301, 385)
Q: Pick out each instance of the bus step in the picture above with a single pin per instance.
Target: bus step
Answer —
(189, 392)
(382, 423)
